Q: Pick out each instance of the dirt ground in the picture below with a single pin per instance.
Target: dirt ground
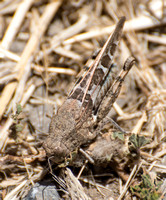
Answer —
(44, 45)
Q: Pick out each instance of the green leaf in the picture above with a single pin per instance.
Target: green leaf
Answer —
(119, 135)
(138, 141)
(146, 190)
(19, 108)
(147, 182)
(19, 127)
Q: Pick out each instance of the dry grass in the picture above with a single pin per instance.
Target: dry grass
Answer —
(44, 44)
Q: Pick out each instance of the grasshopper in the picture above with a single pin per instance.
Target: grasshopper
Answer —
(88, 103)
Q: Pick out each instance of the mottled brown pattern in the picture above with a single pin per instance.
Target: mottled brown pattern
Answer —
(83, 82)
(78, 94)
(113, 48)
(73, 124)
(97, 77)
(105, 61)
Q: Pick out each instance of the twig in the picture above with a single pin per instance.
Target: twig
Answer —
(28, 52)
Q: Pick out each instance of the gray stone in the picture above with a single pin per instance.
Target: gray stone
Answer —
(43, 192)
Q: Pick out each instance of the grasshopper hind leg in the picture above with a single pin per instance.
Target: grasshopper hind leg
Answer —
(113, 91)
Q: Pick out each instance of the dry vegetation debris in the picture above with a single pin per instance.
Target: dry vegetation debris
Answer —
(44, 44)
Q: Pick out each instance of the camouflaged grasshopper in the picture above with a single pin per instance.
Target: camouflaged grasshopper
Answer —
(88, 103)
